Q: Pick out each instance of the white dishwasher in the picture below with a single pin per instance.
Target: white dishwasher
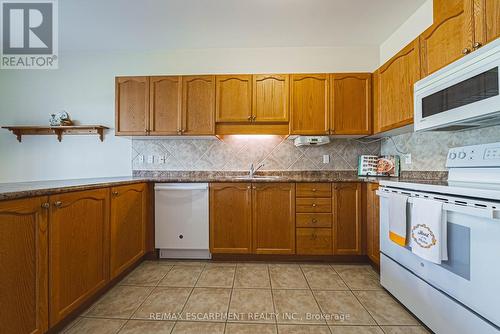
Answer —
(181, 220)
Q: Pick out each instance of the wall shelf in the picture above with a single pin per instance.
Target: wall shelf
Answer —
(20, 131)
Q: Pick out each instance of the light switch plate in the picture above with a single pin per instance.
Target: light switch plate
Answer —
(140, 159)
(162, 159)
(408, 159)
(326, 158)
(151, 159)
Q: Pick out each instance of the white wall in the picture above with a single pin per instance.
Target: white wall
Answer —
(84, 86)
(407, 32)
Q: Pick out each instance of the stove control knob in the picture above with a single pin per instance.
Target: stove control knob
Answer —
(461, 155)
(453, 156)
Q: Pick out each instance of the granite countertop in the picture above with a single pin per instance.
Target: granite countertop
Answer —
(44, 188)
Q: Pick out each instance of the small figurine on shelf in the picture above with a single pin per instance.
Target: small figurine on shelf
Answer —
(60, 119)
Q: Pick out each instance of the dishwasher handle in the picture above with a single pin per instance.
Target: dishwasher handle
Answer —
(181, 186)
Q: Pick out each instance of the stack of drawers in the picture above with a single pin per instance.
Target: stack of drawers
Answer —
(313, 207)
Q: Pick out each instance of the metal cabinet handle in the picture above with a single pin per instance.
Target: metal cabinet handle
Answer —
(314, 190)
(45, 205)
(249, 187)
(314, 220)
(254, 118)
(254, 187)
(250, 118)
(58, 204)
(477, 45)
(114, 193)
(466, 51)
(314, 205)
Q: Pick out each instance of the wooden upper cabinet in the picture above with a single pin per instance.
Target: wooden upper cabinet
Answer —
(486, 21)
(350, 97)
(449, 37)
(129, 205)
(78, 249)
(233, 101)
(273, 212)
(230, 218)
(23, 266)
(394, 88)
(198, 105)
(132, 105)
(270, 98)
(309, 104)
(165, 105)
(347, 219)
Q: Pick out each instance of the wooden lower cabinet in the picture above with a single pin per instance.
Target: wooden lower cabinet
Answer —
(314, 241)
(23, 266)
(129, 205)
(273, 213)
(78, 249)
(254, 218)
(372, 223)
(347, 219)
(230, 218)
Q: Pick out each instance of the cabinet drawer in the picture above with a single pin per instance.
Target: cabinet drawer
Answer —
(314, 241)
(313, 220)
(313, 205)
(313, 190)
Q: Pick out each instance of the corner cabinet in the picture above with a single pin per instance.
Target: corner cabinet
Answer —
(132, 106)
(351, 100)
(129, 214)
(372, 223)
(23, 266)
(393, 89)
(256, 218)
(347, 235)
(273, 213)
(78, 249)
(309, 104)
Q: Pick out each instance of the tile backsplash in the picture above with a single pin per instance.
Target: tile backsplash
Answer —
(430, 149)
(236, 153)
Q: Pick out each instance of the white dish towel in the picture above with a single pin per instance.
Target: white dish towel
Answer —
(428, 235)
(397, 219)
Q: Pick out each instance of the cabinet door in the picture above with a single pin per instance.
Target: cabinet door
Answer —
(131, 105)
(309, 104)
(23, 266)
(372, 224)
(350, 112)
(270, 98)
(233, 102)
(273, 218)
(128, 226)
(78, 249)
(198, 105)
(449, 37)
(486, 21)
(347, 219)
(165, 108)
(230, 218)
(395, 88)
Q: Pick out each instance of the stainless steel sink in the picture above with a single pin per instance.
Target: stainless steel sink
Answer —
(258, 177)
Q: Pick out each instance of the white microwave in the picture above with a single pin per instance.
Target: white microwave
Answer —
(462, 95)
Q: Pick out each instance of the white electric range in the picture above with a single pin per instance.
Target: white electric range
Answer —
(460, 295)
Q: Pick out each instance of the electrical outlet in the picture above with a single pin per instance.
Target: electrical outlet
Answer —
(140, 159)
(326, 158)
(162, 159)
(408, 159)
(151, 159)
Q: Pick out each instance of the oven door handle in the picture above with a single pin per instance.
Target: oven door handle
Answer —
(488, 213)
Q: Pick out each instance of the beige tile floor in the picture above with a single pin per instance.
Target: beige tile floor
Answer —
(237, 298)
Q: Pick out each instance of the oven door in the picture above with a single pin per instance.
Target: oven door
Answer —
(472, 272)
(463, 95)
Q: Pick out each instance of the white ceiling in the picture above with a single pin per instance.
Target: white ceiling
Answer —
(154, 25)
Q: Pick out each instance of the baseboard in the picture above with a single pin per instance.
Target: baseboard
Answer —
(291, 258)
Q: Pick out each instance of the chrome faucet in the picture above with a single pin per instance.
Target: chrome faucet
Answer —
(254, 170)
